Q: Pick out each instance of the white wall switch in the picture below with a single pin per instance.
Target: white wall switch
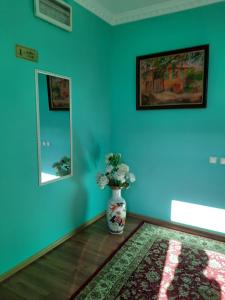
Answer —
(222, 160)
(213, 160)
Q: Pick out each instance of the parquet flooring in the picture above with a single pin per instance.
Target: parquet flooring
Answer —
(58, 274)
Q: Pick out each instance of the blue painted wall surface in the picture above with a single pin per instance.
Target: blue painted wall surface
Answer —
(169, 149)
(32, 217)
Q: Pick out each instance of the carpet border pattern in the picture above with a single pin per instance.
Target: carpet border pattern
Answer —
(111, 277)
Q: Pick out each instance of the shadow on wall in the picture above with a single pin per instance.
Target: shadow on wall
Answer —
(86, 156)
(93, 149)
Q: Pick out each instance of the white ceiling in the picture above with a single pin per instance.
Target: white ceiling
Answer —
(121, 6)
(116, 12)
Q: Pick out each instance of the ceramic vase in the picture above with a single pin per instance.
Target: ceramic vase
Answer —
(116, 212)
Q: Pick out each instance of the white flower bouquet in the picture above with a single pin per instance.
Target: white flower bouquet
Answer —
(117, 174)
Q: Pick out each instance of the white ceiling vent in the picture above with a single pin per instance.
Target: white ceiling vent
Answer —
(56, 12)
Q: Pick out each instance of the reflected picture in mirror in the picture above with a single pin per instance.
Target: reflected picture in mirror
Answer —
(53, 126)
(58, 93)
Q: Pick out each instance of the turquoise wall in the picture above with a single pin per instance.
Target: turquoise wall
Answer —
(33, 217)
(168, 150)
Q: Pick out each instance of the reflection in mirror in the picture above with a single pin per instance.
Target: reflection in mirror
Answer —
(53, 126)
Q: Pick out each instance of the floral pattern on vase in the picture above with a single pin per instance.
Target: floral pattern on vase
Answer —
(116, 212)
(117, 176)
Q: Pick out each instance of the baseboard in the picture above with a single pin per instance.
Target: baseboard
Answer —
(49, 248)
(179, 227)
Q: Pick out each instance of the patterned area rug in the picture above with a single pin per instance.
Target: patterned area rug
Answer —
(158, 263)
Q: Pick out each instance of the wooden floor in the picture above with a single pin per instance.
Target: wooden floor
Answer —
(58, 274)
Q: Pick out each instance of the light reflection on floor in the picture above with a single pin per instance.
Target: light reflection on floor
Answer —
(45, 177)
(208, 267)
(169, 268)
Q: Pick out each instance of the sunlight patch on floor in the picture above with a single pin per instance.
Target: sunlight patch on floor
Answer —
(171, 263)
(198, 215)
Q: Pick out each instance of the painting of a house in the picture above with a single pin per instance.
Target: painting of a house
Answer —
(172, 79)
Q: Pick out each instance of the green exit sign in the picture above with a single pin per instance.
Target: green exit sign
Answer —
(26, 53)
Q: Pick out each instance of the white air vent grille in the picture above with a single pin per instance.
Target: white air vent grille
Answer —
(55, 11)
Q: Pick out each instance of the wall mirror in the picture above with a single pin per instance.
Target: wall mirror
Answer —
(54, 126)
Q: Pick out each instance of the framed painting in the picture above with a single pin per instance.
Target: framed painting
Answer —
(58, 93)
(173, 79)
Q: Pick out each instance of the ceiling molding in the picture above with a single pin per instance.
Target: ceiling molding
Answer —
(142, 13)
(97, 9)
